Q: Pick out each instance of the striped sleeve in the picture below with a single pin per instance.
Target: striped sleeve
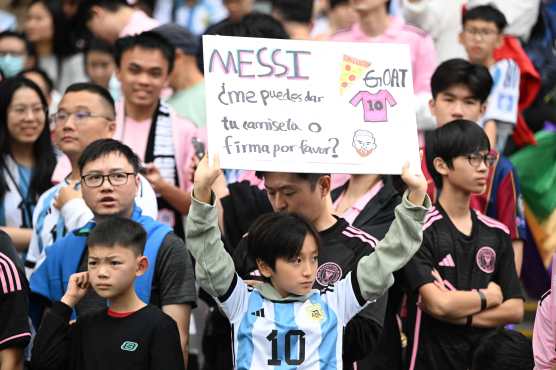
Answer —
(13, 298)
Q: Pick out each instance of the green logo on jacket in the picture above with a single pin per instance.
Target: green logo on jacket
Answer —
(129, 346)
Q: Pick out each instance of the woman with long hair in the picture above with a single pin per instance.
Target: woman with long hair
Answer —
(27, 157)
(48, 30)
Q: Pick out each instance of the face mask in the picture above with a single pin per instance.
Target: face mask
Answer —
(11, 64)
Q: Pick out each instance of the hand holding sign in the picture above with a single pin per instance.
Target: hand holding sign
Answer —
(416, 184)
(205, 176)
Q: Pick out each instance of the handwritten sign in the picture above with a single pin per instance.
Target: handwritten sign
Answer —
(310, 106)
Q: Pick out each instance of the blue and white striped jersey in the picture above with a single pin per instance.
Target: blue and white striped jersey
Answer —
(290, 334)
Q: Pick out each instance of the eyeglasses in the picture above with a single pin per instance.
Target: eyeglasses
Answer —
(483, 33)
(61, 117)
(22, 110)
(95, 180)
(476, 159)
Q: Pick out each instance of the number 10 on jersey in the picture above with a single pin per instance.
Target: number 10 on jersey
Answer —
(287, 339)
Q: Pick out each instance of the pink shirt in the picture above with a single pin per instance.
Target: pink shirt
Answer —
(351, 213)
(423, 54)
(375, 106)
(183, 132)
(139, 22)
(134, 134)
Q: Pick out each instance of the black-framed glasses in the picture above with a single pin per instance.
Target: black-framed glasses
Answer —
(476, 159)
(95, 180)
(483, 33)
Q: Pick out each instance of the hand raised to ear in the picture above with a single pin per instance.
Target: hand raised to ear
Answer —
(77, 287)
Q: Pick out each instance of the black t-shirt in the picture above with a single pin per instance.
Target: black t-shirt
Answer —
(146, 339)
(14, 297)
(467, 263)
(173, 280)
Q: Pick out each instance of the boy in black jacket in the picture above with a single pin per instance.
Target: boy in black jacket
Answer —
(127, 335)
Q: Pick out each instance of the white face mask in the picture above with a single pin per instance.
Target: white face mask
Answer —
(11, 64)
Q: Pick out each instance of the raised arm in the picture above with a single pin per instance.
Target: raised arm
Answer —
(374, 272)
(214, 266)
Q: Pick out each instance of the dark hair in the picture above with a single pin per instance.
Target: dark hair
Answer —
(459, 137)
(99, 45)
(254, 24)
(118, 231)
(85, 6)
(62, 41)
(335, 3)
(29, 47)
(457, 71)
(42, 73)
(300, 11)
(43, 151)
(504, 349)
(103, 147)
(146, 40)
(93, 89)
(311, 178)
(487, 13)
(278, 235)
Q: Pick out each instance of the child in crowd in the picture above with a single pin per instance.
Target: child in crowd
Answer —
(127, 335)
(284, 321)
(482, 34)
(100, 66)
(462, 281)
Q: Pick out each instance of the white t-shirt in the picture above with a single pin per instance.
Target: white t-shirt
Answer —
(51, 223)
(504, 97)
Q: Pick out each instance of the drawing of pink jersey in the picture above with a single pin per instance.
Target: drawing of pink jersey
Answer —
(375, 108)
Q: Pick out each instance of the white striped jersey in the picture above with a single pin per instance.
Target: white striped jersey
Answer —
(290, 334)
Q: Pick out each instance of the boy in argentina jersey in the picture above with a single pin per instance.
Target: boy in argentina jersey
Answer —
(463, 282)
(284, 322)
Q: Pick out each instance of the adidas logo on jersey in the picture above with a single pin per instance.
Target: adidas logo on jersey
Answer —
(448, 261)
(258, 313)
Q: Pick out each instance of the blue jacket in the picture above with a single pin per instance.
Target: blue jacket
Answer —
(51, 279)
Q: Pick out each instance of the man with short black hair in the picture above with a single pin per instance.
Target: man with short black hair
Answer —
(161, 138)
(462, 283)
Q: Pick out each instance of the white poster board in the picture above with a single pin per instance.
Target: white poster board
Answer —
(310, 106)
